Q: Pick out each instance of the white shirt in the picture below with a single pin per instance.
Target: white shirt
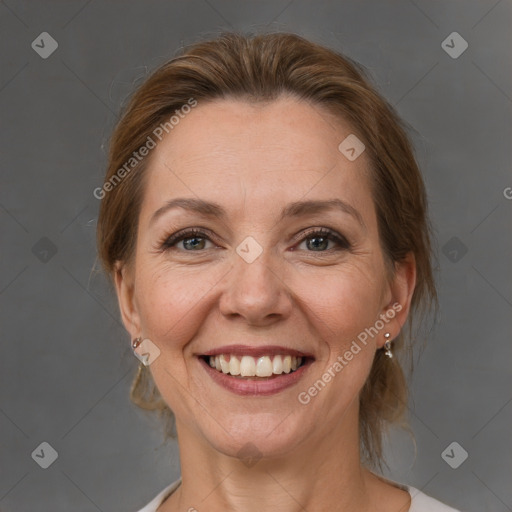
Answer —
(419, 502)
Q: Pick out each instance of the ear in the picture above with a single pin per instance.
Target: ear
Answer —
(401, 288)
(125, 288)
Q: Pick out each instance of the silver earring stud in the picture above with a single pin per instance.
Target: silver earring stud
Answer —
(387, 345)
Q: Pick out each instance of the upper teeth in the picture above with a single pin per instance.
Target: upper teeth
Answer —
(248, 366)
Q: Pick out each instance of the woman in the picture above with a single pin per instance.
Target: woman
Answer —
(264, 222)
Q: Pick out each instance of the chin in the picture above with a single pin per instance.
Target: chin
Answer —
(256, 435)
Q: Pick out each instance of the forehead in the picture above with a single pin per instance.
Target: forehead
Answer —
(232, 151)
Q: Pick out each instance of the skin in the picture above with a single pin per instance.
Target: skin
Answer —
(253, 160)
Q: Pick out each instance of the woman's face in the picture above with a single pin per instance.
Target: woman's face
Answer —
(258, 281)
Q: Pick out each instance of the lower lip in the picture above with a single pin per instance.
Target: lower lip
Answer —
(261, 387)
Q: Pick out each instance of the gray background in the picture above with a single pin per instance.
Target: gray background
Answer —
(66, 366)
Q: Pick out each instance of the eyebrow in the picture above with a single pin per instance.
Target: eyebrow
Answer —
(295, 209)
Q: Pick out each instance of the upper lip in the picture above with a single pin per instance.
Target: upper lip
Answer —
(248, 350)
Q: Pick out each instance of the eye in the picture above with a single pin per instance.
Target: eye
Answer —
(319, 240)
(193, 239)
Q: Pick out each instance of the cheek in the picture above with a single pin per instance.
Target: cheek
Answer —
(170, 301)
(350, 304)
(344, 302)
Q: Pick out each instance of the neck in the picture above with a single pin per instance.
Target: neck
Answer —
(324, 473)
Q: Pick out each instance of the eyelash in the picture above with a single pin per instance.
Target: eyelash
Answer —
(168, 243)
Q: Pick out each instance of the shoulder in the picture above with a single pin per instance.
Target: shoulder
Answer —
(422, 503)
(160, 497)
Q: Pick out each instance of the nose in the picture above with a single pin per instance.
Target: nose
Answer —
(256, 291)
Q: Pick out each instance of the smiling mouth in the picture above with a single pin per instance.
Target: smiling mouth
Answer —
(255, 368)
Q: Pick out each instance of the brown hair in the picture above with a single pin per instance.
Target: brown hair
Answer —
(261, 68)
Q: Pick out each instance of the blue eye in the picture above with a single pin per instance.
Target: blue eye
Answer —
(195, 239)
(322, 237)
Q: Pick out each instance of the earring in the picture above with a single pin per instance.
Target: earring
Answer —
(136, 342)
(387, 345)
